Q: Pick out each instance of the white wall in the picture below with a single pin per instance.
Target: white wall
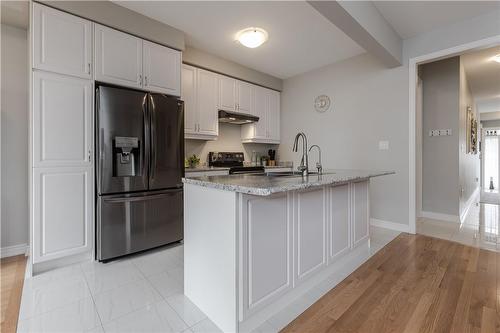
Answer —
(14, 103)
(369, 104)
(469, 164)
(229, 140)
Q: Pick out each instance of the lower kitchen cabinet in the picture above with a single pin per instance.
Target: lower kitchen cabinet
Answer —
(360, 212)
(310, 222)
(63, 212)
(339, 221)
(267, 250)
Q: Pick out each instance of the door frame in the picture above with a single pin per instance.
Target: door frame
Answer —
(487, 196)
(413, 64)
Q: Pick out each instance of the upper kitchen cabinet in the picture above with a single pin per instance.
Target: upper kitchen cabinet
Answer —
(129, 61)
(62, 120)
(200, 95)
(245, 95)
(118, 57)
(228, 94)
(62, 43)
(188, 95)
(162, 69)
(266, 106)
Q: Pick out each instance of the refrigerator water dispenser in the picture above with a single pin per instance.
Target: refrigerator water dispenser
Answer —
(126, 152)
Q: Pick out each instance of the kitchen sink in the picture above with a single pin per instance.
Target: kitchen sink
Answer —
(292, 174)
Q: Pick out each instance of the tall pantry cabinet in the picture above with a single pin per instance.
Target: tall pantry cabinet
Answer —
(61, 136)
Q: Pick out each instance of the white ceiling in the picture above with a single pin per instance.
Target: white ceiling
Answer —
(300, 39)
(411, 18)
(15, 13)
(483, 76)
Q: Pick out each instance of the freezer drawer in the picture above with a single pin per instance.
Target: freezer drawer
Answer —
(132, 223)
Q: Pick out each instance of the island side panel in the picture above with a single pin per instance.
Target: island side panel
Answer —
(210, 266)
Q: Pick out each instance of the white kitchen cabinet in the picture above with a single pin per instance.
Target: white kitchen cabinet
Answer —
(245, 97)
(267, 250)
(266, 106)
(162, 69)
(273, 129)
(62, 120)
(118, 57)
(62, 43)
(310, 223)
(200, 95)
(339, 221)
(360, 212)
(228, 99)
(188, 95)
(207, 89)
(63, 209)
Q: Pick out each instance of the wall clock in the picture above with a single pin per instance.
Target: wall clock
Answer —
(322, 103)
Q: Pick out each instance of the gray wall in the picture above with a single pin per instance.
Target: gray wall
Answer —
(440, 160)
(469, 164)
(369, 104)
(490, 123)
(14, 120)
(121, 18)
(214, 63)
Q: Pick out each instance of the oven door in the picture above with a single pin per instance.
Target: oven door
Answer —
(137, 222)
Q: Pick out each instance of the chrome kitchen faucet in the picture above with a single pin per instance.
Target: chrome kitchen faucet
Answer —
(304, 163)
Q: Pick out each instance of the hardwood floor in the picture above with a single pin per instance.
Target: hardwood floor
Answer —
(414, 284)
(12, 278)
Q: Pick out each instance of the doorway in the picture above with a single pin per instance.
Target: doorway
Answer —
(490, 166)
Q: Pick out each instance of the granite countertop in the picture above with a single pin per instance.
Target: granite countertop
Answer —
(205, 168)
(266, 185)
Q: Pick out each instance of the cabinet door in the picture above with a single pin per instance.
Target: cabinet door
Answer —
(227, 93)
(62, 43)
(245, 97)
(63, 212)
(261, 106)
(188, 91)
(162, 67)
(267, 250)
(62, 120)
(118, 57)
(207, 103)
(273, 131)
(310, 225)
(361, 212)
(339, 221)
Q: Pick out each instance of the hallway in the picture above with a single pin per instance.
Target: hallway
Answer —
(480, 228)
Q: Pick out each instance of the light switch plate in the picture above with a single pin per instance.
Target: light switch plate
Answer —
(383, 145)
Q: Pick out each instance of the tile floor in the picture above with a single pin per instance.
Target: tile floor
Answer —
(480, 229)
(142, 293)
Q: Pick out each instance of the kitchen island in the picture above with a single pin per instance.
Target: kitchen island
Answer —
(255, 243)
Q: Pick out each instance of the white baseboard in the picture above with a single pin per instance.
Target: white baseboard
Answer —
(390, 225)
(441, 217)
(469, 204)
(14, 250)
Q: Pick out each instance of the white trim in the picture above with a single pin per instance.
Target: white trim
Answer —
(389, 225)
(14, 250)
(441, 217)
(472, 199)
(412, 64)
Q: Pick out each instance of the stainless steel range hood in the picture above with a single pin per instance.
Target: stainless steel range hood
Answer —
(236, 118)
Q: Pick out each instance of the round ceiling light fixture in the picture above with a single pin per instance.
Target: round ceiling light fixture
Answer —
(496, 58)
(252, 37)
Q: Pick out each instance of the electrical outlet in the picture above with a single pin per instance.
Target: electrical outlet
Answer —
(383, 145)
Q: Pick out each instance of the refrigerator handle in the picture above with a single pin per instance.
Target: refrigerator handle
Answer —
(100, 136)
(153, 158)
(146, 154)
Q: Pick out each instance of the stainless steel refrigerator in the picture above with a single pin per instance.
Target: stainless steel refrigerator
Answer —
(140, 164)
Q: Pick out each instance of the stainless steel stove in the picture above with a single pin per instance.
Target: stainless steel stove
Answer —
(234, 161)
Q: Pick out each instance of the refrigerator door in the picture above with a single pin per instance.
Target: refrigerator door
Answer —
(132, 223)
(122, 133)
(167, 142)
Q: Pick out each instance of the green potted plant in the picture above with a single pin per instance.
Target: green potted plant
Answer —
(193, 161)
